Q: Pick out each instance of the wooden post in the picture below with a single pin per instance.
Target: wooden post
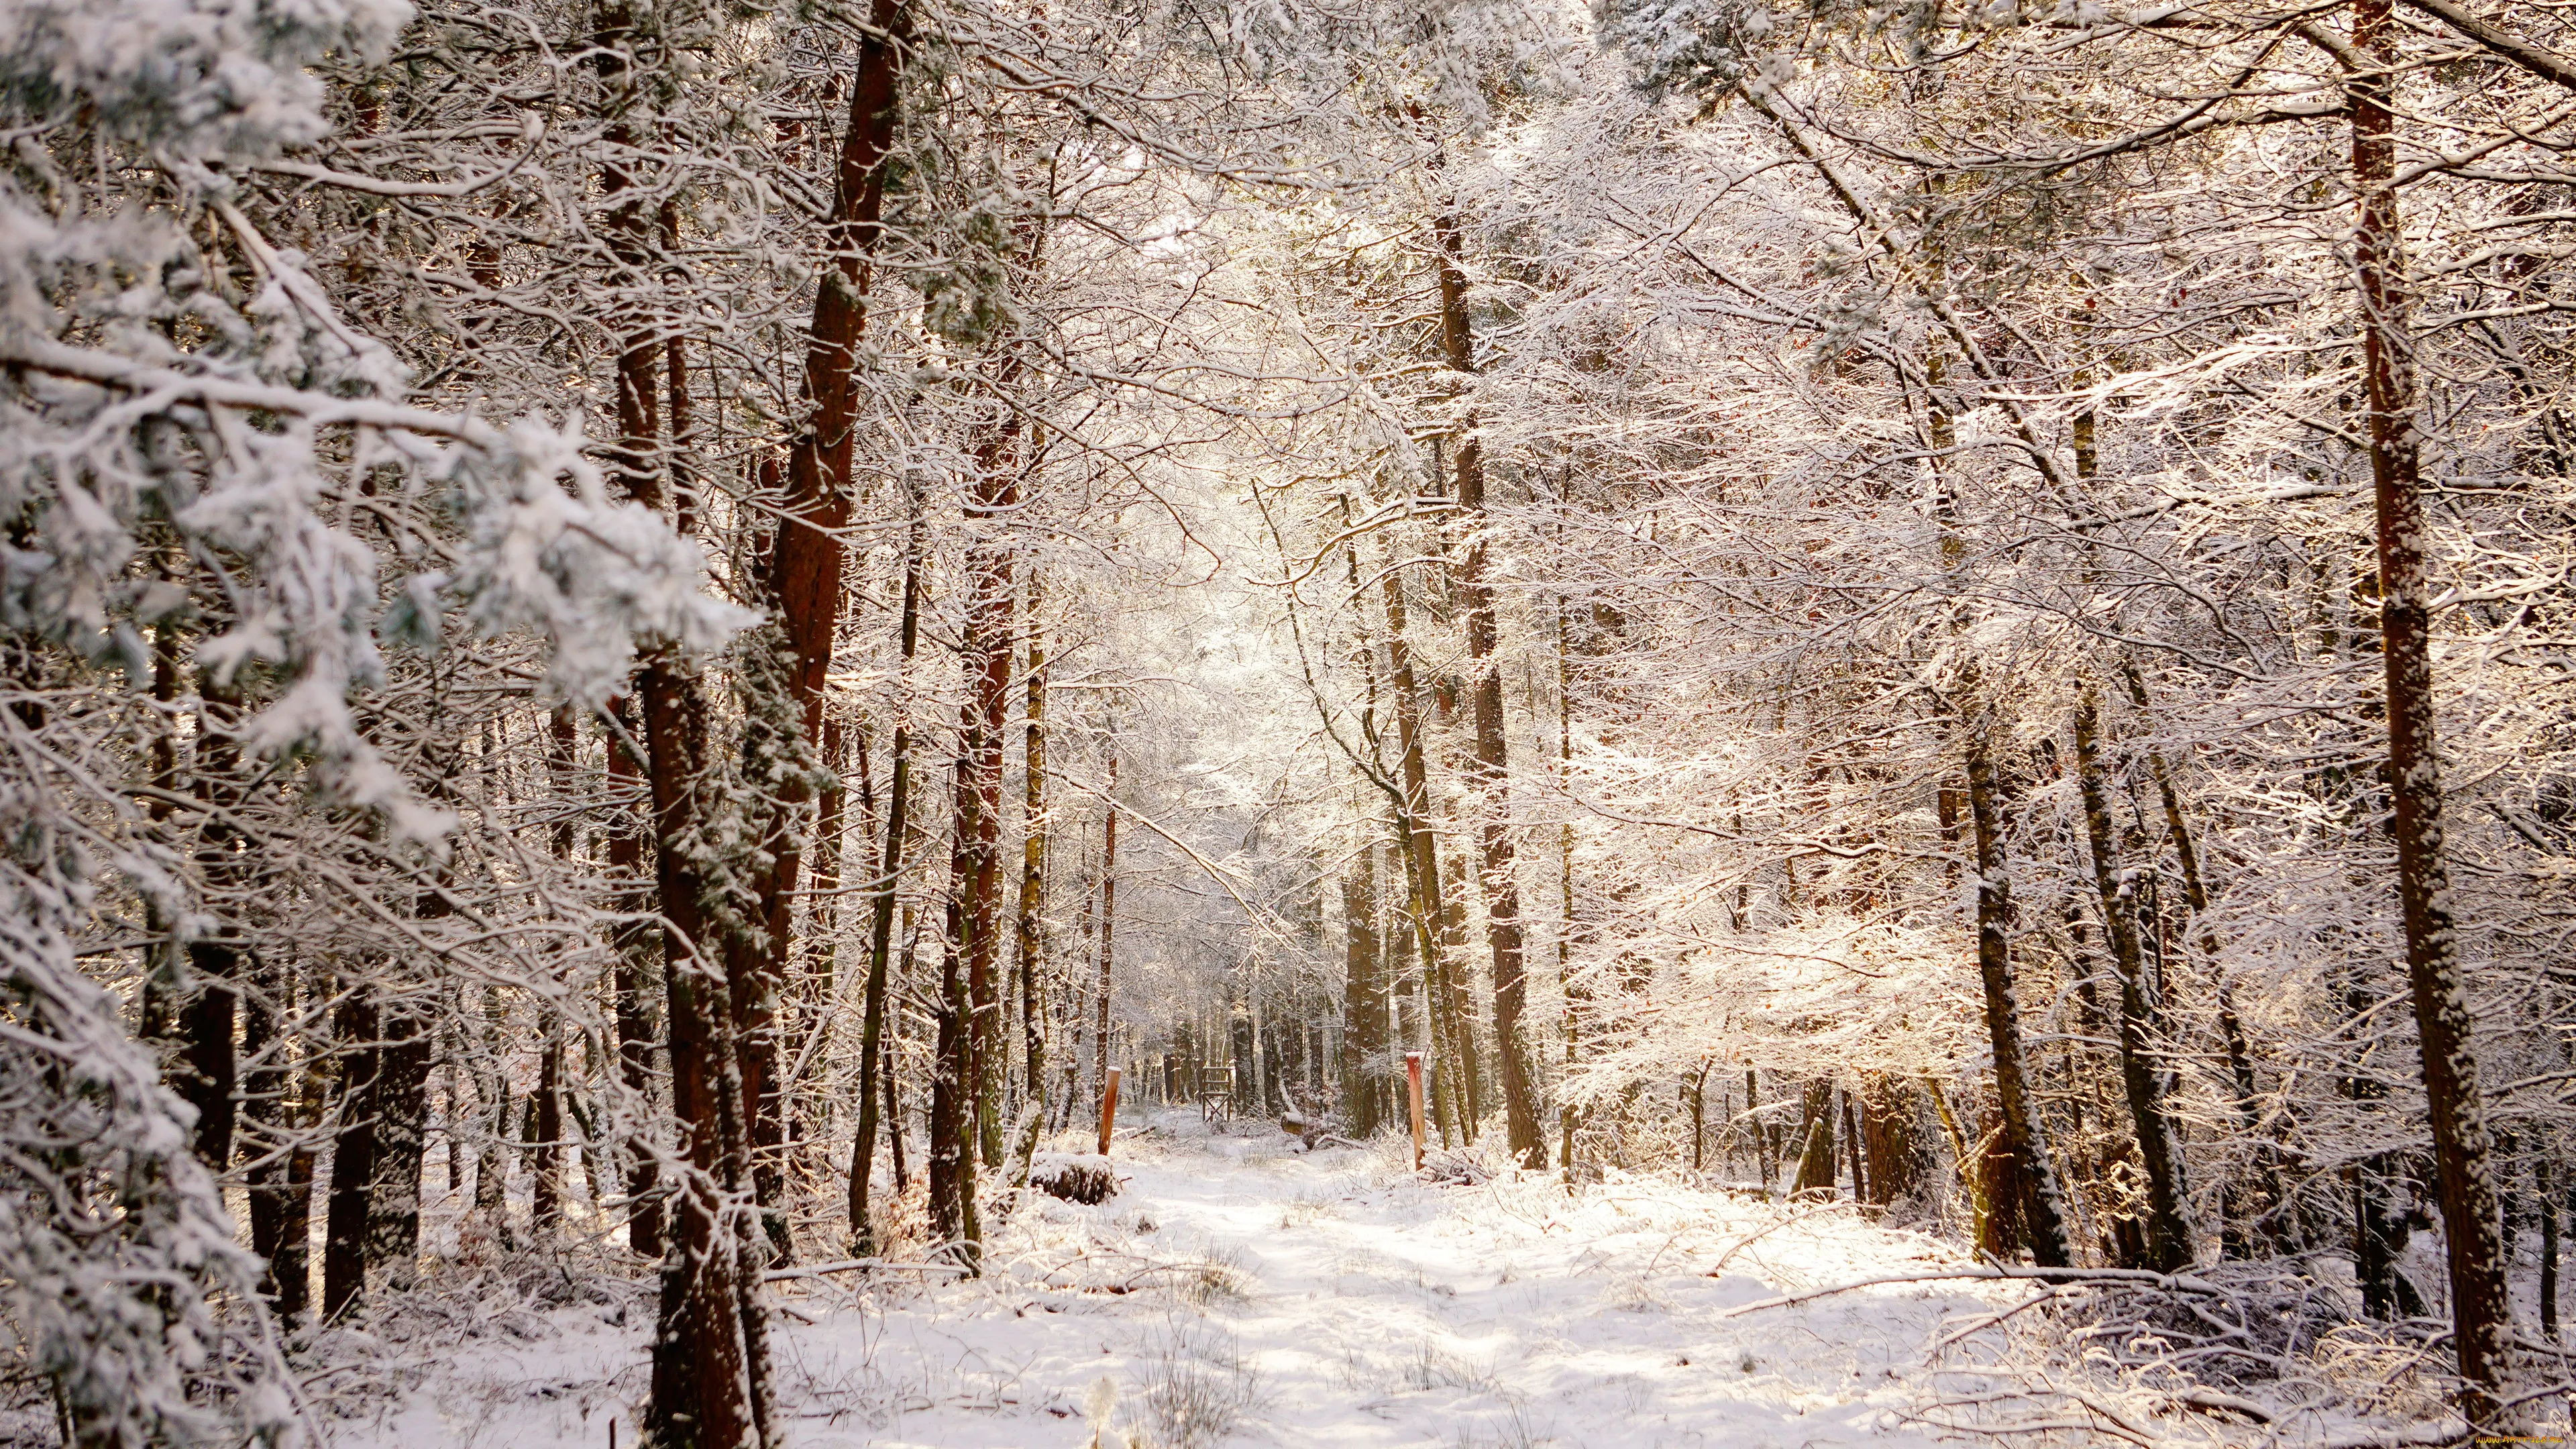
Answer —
(1413, 1096)
(1108, 1110)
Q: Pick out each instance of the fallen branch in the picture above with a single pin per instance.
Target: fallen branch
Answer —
(1997, 1272)
(856, 1265)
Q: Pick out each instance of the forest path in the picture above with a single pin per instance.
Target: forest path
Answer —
(1237, 1292)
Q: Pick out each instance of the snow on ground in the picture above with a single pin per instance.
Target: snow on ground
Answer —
(1240, 1292)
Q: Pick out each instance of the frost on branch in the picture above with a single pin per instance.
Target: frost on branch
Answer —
(114, 1246)
(193, 443)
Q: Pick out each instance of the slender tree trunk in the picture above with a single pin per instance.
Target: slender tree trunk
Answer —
(804, 571)
(1575, 995)
(546, 1191)
(2023, 1140)
(1028, 941)
(710, 1384)
(2168, 1243)
(1816, 1134)
(632, 984)
(953, 1090)
(872, 1054)
(1430, 911)
(952, 1087)
(2546, 1191)
(1363, 998)
(1108, 923)
(353, 1157)
(985, 656)
(2260, 1196)
(2463, 1149)
(269, 1090)
(1503, 935)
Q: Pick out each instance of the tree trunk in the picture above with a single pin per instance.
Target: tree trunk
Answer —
(2546, 1191)
(710, 1385)
(2023, 1141)
(953, 1093)
(269, 1091)
(710, 1356)
(353, 1158)
(1422, 869)
(2168, 1242)
(1503, 935)
(402, 1119)
(546, 1188)
(1887, 1141)
(2260, 1197)
(985, 657)
(1816, 1134)
(1028, 943)
(632, 983)
(881, 926)
(804, 570)
(1364, 1045)
(1108, 920)
(2463, 1150)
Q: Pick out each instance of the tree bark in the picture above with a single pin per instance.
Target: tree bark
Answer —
(1422, 872)
(952, 1145)
(710, 1379)
(2260, 1197)
(985, 656)
(2168, 1241)
(632, 983)
(2463, 1149)
(1028, 940)
(1108, 922)
(1364, 1044)
(881, 926)
(710, 1386)
(1500, 875)
(807, 556)
(353, 1157)
(1816, 1154)
(2023, 1139)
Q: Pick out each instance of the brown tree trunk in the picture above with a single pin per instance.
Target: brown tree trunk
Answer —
(1816, 1134)
(1364, 1044)
(2168, 1241)
(268, 1100)
(1108, 921)
(1028, 944)
(402, 1119)
(951, 1148)
(807, 558)
(546, 1189)
(710, 1352)
(1422, 872)
(1887, 1141)
(2463, 1149)
(2023, 1140)
(1501, 881)
(2259, 1197)
(985, 655)
(353, 1157)
(881, 925)
(709, 1383)
(632, 983)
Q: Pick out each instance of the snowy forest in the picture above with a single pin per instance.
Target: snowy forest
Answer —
(1169, 723)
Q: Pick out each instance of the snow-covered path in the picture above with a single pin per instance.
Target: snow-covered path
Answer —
(1238, 1293)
